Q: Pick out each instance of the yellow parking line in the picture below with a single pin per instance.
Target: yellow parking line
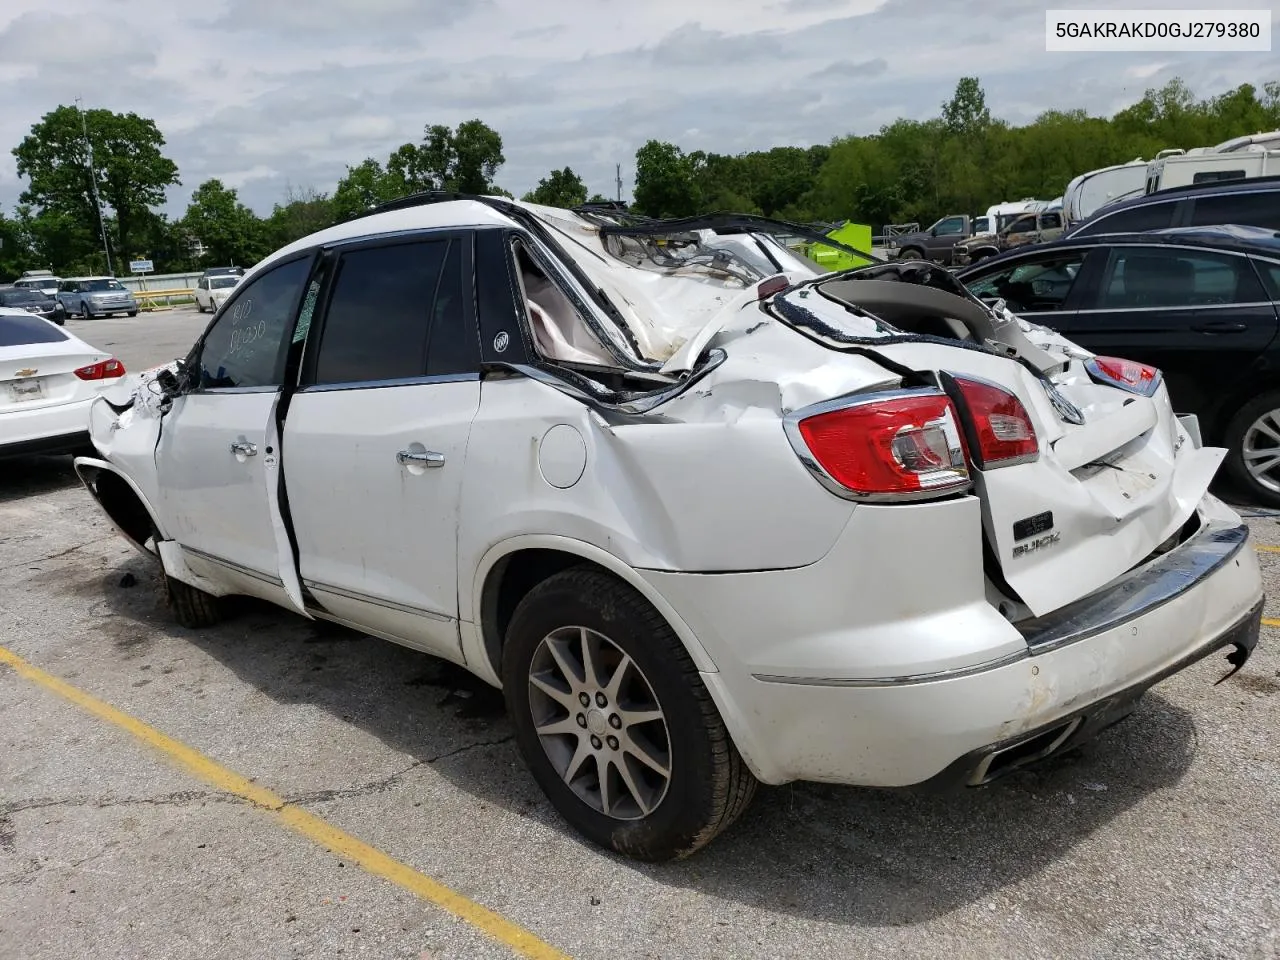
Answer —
(1268, 622)
(1266, 548)
(521, 941)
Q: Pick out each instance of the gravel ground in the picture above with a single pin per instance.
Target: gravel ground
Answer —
(1160, 839)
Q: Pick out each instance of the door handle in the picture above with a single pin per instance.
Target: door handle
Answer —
(427, 459)
(244, 448)
(1221, 326)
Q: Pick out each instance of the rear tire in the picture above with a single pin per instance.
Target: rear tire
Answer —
(133, 313)
(192, 608)
(84, 311)
(1253, 453)
(645, 699)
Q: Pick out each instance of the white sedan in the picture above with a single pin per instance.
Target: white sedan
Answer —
(211, 292)
(48, 379)
(708, 516)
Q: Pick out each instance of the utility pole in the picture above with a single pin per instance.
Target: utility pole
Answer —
(93, 184)
(618, 178)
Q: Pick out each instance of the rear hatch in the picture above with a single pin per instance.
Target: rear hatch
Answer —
(1112, 477)
(38, 363)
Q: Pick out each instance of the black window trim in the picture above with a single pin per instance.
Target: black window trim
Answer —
(315, 334)
(190, 365)
(1113, 248)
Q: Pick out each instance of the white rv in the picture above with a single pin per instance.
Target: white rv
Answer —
(1257, 155)
(1089, 191)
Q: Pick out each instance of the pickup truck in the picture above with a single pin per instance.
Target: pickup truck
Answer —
(1026, 229)
(937, 242)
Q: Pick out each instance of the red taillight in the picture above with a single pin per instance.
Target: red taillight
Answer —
(1139, 378)
(102, 370)
(1002, 427)
(904, 444)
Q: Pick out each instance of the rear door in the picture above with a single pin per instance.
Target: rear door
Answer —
(376, 437)
(218, 456)
(1201, 316)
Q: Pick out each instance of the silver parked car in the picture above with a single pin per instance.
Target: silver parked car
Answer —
(91, 297)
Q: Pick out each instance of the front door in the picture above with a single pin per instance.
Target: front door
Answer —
(375, 439)
(1043, 286)
(218, 458)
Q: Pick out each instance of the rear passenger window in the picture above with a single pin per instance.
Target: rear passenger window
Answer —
(397, 312)
(1154, 277)
(1150, 216)
(1256, 209)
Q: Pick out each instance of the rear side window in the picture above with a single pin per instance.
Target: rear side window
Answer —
(20, 331)
(391, 309)
(1156, 277)
(1257, 209)
(1148, 216)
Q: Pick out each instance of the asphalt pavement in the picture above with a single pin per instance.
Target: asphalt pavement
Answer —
(1159, 839)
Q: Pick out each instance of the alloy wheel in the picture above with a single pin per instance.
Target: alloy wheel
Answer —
(600, 723)
(1260, 450)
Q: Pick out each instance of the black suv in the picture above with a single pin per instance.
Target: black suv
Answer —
(1200, 303)
(1254, 202)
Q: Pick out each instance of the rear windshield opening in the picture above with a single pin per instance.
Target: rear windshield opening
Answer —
(20, 331)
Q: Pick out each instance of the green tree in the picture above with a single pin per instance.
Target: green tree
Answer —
(561, 188)
(666, 185)
(305, 211)
(16, 253)
(464, 160)
(365, 186)
(966, 114)
(130, 172)
(230, 232)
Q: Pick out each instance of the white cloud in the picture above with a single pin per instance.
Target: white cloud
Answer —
(285, 92)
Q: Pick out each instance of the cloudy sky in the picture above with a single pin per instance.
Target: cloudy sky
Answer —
(265, 94)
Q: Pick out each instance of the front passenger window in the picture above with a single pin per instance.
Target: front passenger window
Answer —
(246, 345)
(1032, 286)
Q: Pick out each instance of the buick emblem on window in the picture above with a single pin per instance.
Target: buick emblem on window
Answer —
(1067, 410)
(501, 341)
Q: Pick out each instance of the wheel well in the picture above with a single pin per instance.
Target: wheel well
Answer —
(123, 506)
(509, 582)
(1214, 426)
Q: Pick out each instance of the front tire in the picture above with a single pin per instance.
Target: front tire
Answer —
(192, 608)
(614, 722)
(910, 253)
(1253, 448)
(84, 311)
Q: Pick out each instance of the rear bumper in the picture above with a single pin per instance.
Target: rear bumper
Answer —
(57, 429)
(996, 759)
(1071, 674)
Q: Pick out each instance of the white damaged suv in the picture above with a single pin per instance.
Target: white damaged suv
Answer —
(708, 516)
